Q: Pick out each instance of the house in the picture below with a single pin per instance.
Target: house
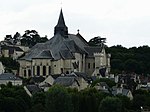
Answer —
(50, 80)
(64, 53)
(77, 80)
(67, 81)
(2, 70)
(5, 78)
(102, 86)
(11, 51)
(47, 83)
(82, 79)
(36, 80)
(122, 91)
(32, 89)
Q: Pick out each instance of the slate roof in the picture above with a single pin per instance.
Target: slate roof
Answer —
(61, 21)
(65, 81)
(92, 50)
(103, 84)
(124, 91)
(8, 76)
(61, 46)
(37, 79)
(58, 47)
(83, 75)
(11, 48)
(33, 88)
(55, 76)
(44, 55)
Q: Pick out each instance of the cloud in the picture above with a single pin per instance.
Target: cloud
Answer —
(123, 22)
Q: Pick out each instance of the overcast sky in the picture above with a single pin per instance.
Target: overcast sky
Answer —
(123, 22)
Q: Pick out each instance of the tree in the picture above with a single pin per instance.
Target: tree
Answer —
(97, 41)
(110, 104)
(9, 39)
(58, 100)
(31, 37)
(109, 82)
(116, 65)
(16, 38)
(126, 102)
(89, 100)
(138, 101)
(38, 102)
(131, 65)
(38, 98)
(9, 63)
(14, 99)
(74, 98)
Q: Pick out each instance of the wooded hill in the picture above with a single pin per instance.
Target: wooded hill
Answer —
(134, 59)
(128, 60)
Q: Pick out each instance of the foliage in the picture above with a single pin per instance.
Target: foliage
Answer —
(31, 37)
(109, 82)
(14, 99)
(89, 100)
(110, 104)
(38, 98)
(58, 100)
(97, 41)
(129, 60)
(126, 103)
(9, 63)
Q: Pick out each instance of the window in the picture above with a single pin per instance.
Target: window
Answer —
(62, 70)
(29, 73)
(25, 73)
(44, 70)
(33, 70)
(49, 70)
(88, 65)
(38, 70)
(93, 65)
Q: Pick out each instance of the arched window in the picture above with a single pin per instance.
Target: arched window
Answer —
(49, 70)
(25, 73)
(29, 73)
(44, 70)
(33, 70)
(38, 70)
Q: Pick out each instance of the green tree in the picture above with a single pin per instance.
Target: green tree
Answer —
(109, 82)
(58, 100)
(9, 63)
(74, 98)
(131, 59)
(97, 41)
(138, 101)
(14, 99)
(131, 66)
(38, 98)
(31, 37)
(117, 65)
(126, 102)
(110, 104)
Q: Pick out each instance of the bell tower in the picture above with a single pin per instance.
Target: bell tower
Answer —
(61, 28)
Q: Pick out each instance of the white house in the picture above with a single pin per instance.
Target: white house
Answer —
(2, 70)
(5, 78)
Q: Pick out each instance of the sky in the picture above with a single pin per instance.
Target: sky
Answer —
(121, 22)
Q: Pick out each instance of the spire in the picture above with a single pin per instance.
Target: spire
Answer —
(61, 28)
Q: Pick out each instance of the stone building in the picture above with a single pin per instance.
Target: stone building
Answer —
(64, 53)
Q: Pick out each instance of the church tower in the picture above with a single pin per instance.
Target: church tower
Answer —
(61, 28)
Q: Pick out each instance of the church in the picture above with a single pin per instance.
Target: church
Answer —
(64, 53)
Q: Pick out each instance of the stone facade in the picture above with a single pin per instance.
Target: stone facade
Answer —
(64, 53)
